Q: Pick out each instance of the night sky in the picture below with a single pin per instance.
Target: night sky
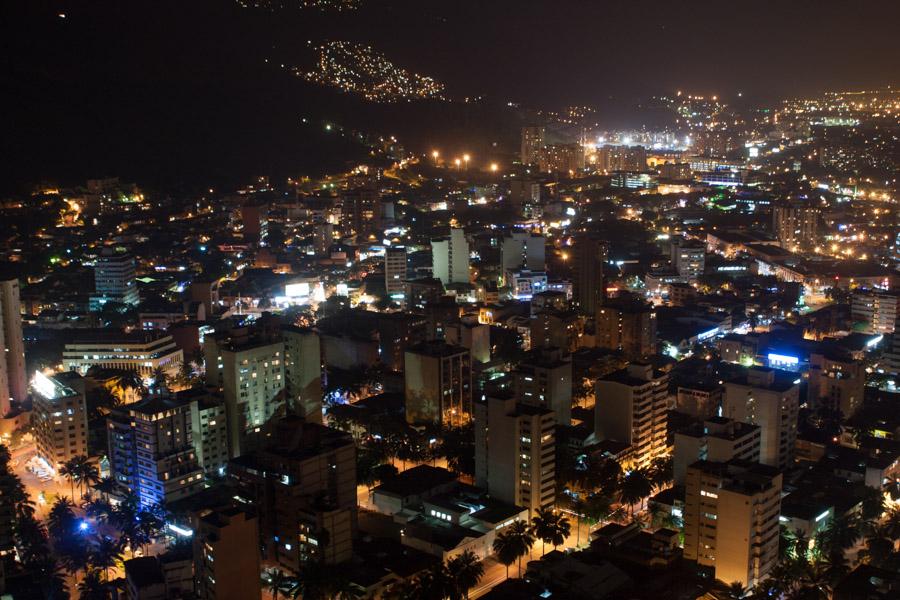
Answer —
(156, 88)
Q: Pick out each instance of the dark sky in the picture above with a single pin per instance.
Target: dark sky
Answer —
(170, 83)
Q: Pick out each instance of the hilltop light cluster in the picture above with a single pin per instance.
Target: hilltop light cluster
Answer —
(361, 69)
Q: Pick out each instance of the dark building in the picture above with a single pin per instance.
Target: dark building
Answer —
(302, 479)
(588, 259)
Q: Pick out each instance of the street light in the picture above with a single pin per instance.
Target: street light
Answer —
(466, 158)
(494, 167)
(435, 154)
(457, 162)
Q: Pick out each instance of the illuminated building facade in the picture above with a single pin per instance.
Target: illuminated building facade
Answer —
(450, 257)
(532, 143)
(359, 207)
(151, 450)
(142, 352)
(627, 325)
(731, 524)
(688, 258)
(876, 310)
(795, 224)
(771, 400)
(247, 363)
(438, 384)
(395, 272)
(303, 371)
(60, 417)
(631, 408)
(544, 378)
(515, 452)
(114, 279)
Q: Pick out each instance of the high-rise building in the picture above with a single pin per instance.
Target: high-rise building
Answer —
(566, 159)
(621, 158)
(303, 482)
(114, 279)
(552, 328)
(7, 512)
(731, 522)
(209, 428)
(770, 399)
(688, 258)
(303, 371)
(160, 577)
(837, 382)
(247, 363)
(876, 310)
(525, 196)
(144, 579)
(631, 409)
(523, 250)
(701, 400)
(892, 355)
(60, 417)
(13, 383)
(151, 449)
(471, 335)
(359, 209)
(544, 378)
(515, 451)
(795, 224)
(255, 221)
(532, 144)
(627, 325)
(226, 555)
(438, 384)
(589, 256)
(717, 439)
(395, 273)
(450, 257)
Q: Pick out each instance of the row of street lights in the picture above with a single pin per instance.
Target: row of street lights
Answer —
(463, 162)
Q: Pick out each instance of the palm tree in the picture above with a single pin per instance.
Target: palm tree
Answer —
(609, 477)
(52, 580)
(506, 548)
(635, 487)
(465, 570)
(277, 582)
(105, 554)
(550, 527)
(736, 590)
(839, 535)
(83, 471)
(661, 472)
(435, 584)
(67, 470)
(106, 486)
(872, 503)
(61, 520)
(598, 509)
(520, 537)
(92, 587)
